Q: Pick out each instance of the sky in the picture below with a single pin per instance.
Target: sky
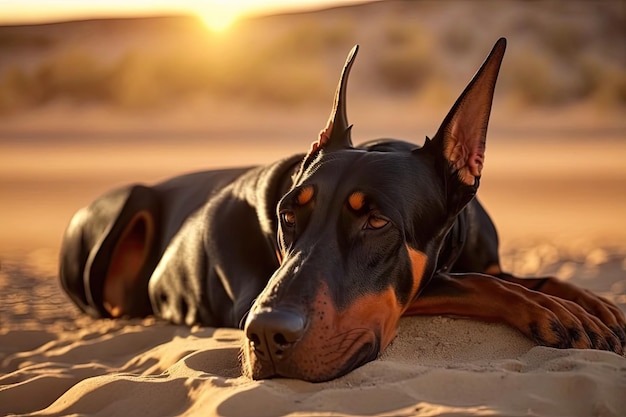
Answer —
(218, 14)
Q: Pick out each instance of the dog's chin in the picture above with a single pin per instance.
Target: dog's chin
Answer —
(312, 369)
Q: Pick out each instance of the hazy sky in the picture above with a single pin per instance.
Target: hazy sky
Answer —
(217, 13)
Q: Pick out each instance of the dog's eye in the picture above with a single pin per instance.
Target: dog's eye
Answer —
(376, 221)
(288, 218)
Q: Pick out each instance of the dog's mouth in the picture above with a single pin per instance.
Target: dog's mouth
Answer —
(320, 342)
(315, 362)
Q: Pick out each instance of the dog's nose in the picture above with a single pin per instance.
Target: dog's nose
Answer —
(273, 332)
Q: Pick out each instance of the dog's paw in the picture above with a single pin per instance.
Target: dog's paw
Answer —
(605, 311)
(564, 324)
(608, 313)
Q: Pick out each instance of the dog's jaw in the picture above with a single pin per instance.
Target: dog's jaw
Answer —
(334, 341)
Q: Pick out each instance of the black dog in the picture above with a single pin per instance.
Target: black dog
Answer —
(324, 252)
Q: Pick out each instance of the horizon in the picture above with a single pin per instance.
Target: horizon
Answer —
(218, 15)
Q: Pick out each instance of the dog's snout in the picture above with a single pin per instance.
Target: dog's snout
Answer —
(272, 332)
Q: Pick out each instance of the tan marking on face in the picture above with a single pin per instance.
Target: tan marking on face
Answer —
(305, 195)
(345, 331)
(356, 200)
(418, 266)
(380, 311)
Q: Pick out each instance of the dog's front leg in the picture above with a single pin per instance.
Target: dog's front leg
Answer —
(544, 318)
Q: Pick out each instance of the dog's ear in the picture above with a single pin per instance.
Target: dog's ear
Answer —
(462, 135)
(336, 134)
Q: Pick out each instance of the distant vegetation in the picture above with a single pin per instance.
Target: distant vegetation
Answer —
(294, 59)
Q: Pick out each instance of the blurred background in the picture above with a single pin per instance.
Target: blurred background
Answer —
(94, 95)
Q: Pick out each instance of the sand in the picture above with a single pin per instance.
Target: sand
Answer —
(55, 362)
(554, 217)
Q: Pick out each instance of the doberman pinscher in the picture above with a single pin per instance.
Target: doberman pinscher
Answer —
(317, 256)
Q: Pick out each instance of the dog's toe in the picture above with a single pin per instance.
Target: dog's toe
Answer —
(619, 332)
(552, 333)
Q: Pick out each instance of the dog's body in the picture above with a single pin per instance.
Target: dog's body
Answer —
(321, 254)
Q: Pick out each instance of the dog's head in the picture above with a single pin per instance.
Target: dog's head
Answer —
(359, 235)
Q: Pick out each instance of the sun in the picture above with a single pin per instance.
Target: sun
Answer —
(219, 16)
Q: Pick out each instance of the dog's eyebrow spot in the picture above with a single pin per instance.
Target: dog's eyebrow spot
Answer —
(356, 201)
(305, 195)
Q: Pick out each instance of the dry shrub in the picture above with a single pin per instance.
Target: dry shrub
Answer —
(400, 34)
(312, 38)
(12, 41)
(405, 64)
(73, 74)
(143, 80)
(564, 39)
(16, 89)
(539, 80)
(134, 83)
(266, 75)
(612, 91)
(291, 64)
(403, 69)
(602, 82)
(531, 77)
(459, 39)
(288, 84)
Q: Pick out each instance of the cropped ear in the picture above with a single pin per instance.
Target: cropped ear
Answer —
(336, 134)
(462, 135)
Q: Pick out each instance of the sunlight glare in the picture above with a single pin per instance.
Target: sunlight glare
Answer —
(219, 16)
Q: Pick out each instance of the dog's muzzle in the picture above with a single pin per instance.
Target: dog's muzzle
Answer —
(281, 342)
